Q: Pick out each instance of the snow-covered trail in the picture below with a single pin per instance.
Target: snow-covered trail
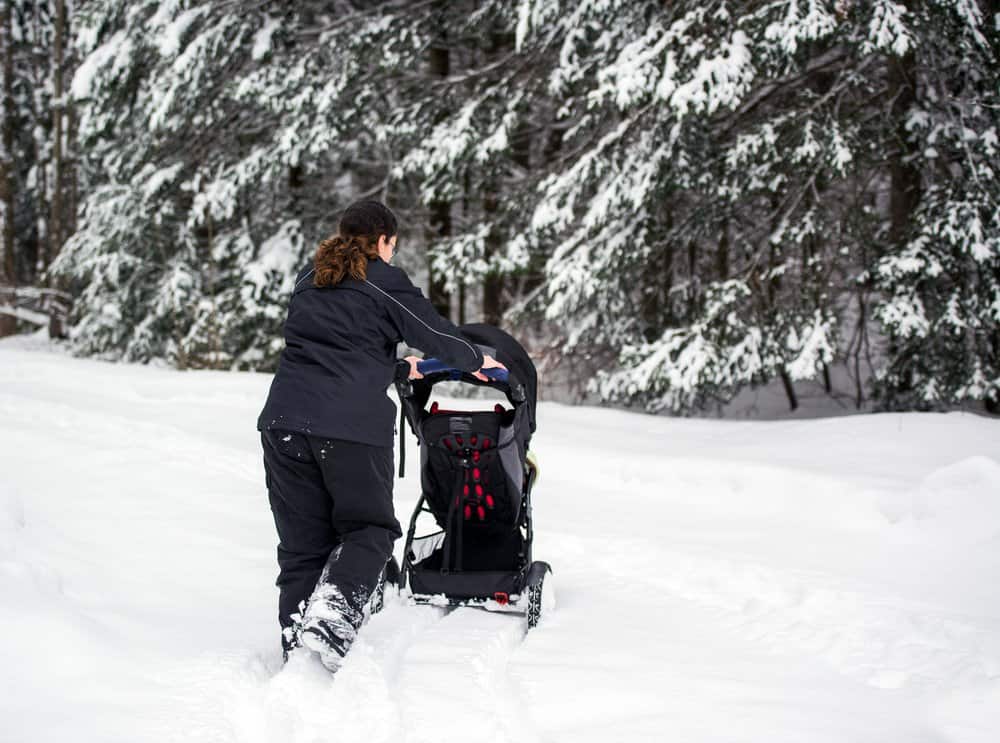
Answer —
(824, 580)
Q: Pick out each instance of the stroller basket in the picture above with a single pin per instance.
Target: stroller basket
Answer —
(493, 563)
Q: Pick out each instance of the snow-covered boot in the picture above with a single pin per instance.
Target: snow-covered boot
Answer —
(320, 636)
(290, 634)
(289, 642)
(329, 625)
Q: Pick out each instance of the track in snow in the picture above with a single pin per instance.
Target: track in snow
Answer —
(433, 673)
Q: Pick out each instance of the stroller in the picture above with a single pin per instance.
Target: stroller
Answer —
(476, 477)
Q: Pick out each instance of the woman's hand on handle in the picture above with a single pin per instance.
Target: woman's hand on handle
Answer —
(413, 361)
(488, 363)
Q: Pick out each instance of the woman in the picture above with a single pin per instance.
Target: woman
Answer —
(327, 425)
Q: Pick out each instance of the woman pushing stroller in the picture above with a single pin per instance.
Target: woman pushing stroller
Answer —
(327, 426)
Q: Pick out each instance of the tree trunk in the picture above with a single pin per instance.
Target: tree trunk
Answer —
(70, 161)
(493, 284)
(439, 209)
(904, 186)
(655, 308)
(534, 276)
(440, 227)
(694, 303)
(56, 218)
(722, 255)
(296, 182)
(520, 154)
(904, 194)
(466, 215)
(786, 381)
(8, 325)
(6, 147)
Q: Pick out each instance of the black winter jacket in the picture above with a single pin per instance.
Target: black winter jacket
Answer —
(340, 354)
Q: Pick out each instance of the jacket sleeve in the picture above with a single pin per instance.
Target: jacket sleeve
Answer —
(421, 326)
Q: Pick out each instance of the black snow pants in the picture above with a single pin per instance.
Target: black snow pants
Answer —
(326, 493)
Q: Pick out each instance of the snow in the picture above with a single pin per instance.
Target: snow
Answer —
(717, 81)
(812, 22)
(279, 254)
(262, 39)
(807, 581)
(170, 42)
(887, 29)
(115, 52)
(23, 313)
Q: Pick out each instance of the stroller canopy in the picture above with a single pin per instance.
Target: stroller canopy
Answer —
(521, 385)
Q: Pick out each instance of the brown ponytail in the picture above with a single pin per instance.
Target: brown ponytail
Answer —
(346, 254)
(339, 257)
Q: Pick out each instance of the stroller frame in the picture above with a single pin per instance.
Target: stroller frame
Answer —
(436, 565)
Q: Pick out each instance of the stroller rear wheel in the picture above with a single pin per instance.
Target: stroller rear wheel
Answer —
(541, 592)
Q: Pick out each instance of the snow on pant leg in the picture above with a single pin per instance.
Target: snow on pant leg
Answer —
(359, 478)
(300, 504)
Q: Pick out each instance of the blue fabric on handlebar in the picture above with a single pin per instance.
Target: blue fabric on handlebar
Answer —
(432, 366)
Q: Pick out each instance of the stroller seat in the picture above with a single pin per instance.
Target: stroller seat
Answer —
(466, 485)
(465, 464)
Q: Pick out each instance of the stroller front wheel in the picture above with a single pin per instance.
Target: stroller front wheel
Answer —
(541, 593)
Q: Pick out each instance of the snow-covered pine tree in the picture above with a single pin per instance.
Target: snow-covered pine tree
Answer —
(214, 159)
(222, 143)
(8, 323)
(27, 34)
(473, 140)
(724, 197)
(941, 309)
(156, 131)
(37, 197)
(412, 100)
(718, 193)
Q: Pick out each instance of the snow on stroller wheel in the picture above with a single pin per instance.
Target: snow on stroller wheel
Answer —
(541, 593)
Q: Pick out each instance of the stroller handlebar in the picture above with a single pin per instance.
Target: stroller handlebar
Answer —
(432, 366)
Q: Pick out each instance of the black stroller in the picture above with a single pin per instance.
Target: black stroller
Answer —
(476, 477)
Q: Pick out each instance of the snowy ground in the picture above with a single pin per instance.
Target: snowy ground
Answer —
(804, 581)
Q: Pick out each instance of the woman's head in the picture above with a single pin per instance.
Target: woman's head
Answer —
(367, 230)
